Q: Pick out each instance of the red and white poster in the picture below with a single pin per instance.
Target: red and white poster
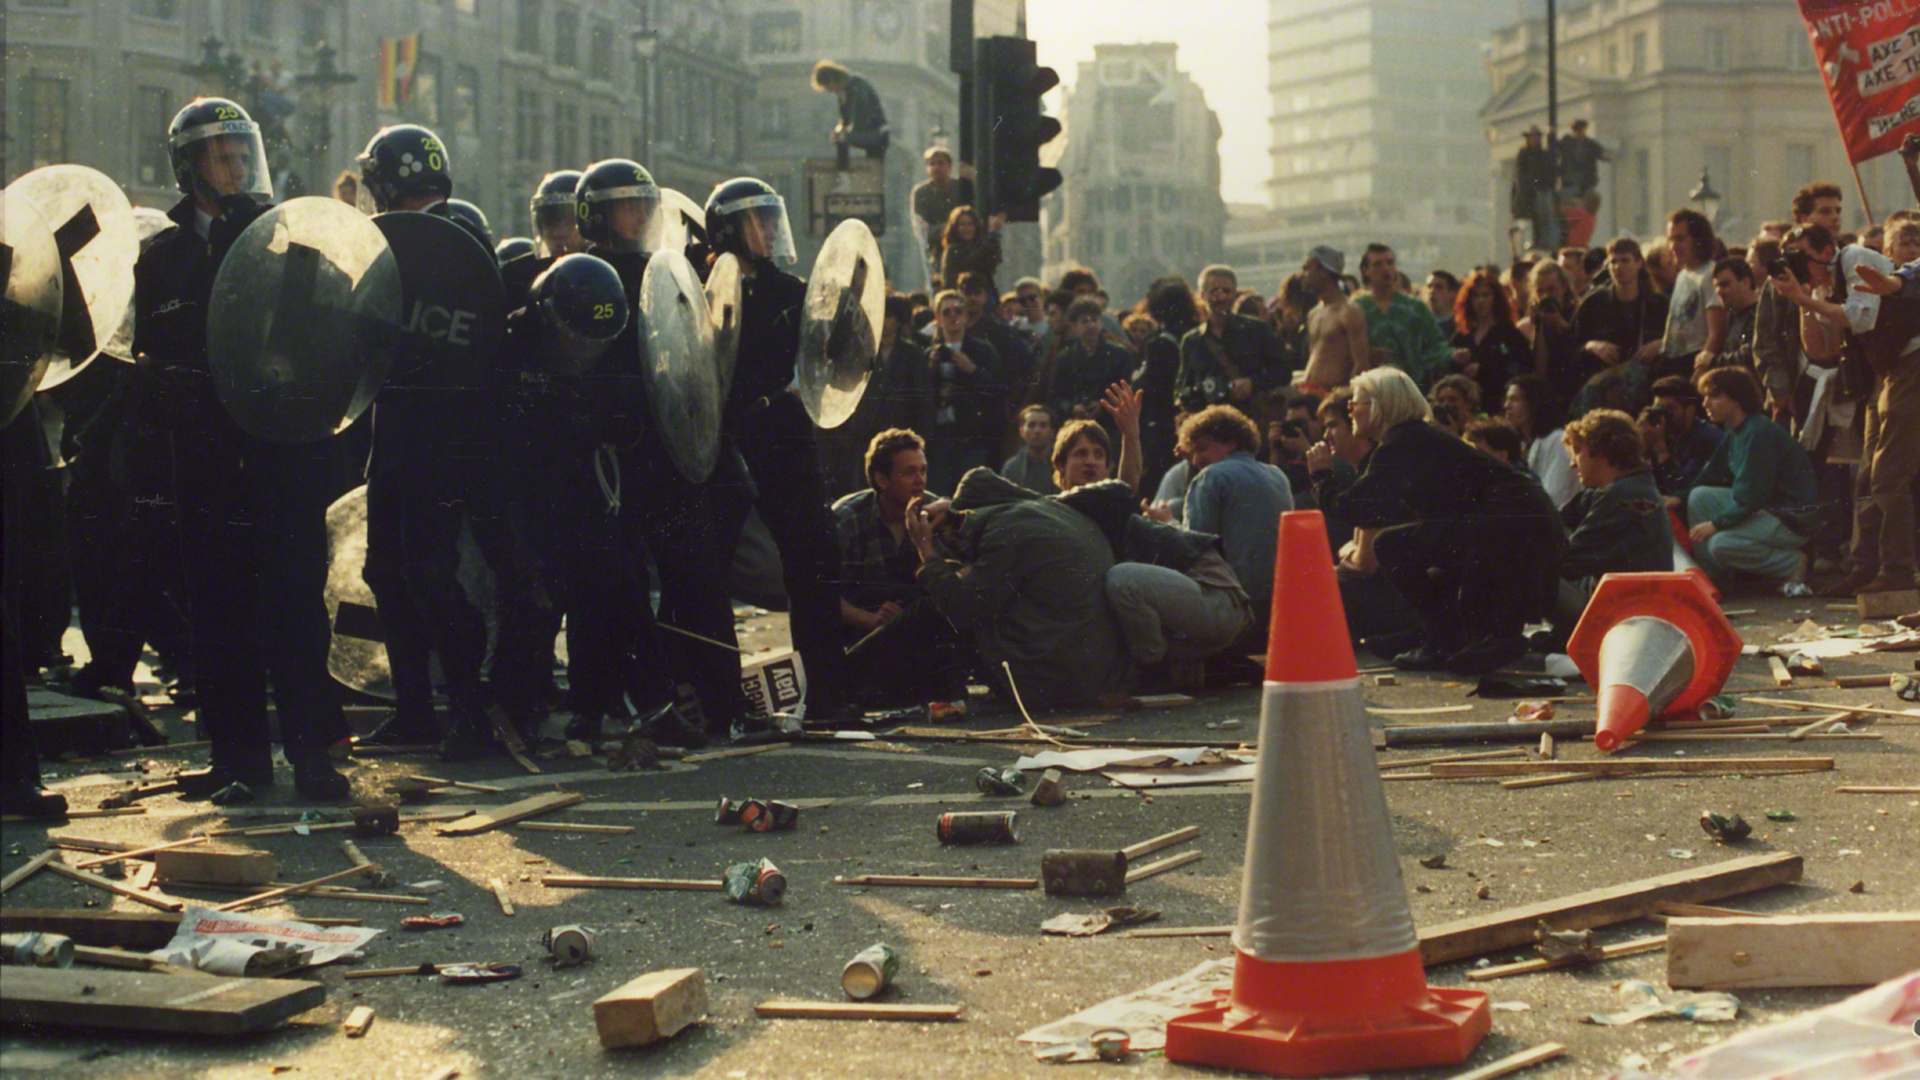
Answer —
(1869, 55)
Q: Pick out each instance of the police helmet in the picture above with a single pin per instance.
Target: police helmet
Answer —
(216, 125)
(604, 185)
(471, 217)
(748, 218)
(512, 248)
(581, 298)
(404, 161)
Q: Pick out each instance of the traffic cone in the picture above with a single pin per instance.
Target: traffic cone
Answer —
(1327, 973)
(1651, 645)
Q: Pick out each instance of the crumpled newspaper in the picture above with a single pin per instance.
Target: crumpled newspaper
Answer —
(226, 943)
(1073, 924)
(1643, 999)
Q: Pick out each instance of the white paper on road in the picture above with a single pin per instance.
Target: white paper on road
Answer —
(1143, 1014)
(1092, 760)
(221, 942)
(1154, 778)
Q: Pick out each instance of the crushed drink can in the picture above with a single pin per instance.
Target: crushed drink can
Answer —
(769, 815)
(942, 711)
(37, 949)
(758, 883)
(983, 828)
(569, 945)
(992, 781)
(870, 971)
(727, 811)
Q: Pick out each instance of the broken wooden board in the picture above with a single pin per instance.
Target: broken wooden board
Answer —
(580, 881)
(1782, 678)
(1888, 605)
(32, 867)
(1791, 950)
(1636, 766)
(142, 1001)
(1164, 840)
(1514, 927)
(651, 1007)
(735, 751)
(574, 827)
(150, 899)
(1833, 706)
(1607, 952)
(854, 1010)
(1513, 1063)
(512, 812)
(358, 1021)
(931, 882)
(144, 930)
(1486, 755)
(1856, 789)
(1153, 869)
(230, 867)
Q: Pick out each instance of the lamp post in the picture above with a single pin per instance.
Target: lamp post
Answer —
(646, 44)
(1707, 199)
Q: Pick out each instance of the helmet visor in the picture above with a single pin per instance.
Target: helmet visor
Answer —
(556, 225)
(763, 225)
(632, 216)
(228, 158)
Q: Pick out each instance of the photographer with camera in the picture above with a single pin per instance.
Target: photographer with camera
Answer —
(970, 388)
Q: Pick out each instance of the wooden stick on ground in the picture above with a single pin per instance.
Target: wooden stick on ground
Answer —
(1485, 756)
(437, 782)
(1805, 730)
(137, 853)
(734, 751)
(512, 812)
(289, 890)
(1513, 1063)
(1674, 909)
(500, 893)
(1428, 775)
(854, 1010)
(581, 881)
(670, 628)
(931, 882)
(1164, 840)
(1154, 869)
(1782, 678)
(1759, 734)
(124, 811)
(1550, 779)
(1817, 706)
(325, 892)
(1631, 766)
(1854, 789)
(116, 888)
(31, 868)
(1546, 746)
(1607, 952)
(567, 826)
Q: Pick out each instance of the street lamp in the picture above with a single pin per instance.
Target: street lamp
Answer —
(646, 46)
(1706, 198)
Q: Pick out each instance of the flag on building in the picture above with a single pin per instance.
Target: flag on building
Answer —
(397, 59)
(1869, 56)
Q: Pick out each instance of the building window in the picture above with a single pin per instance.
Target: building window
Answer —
(566, 133)
(463, 100)
(151, 113)
(1640, 53)
(1717, 49)
(423, 97)
(599, 137)
(773, 119)
(527, 121)
(47, 121)
(600, 51)
(260, 18)
(776, 32)
(1799, 50)
(526, 28)
(566, 37)
(166, 10)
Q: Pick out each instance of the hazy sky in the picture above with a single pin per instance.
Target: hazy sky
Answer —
(1223, 48)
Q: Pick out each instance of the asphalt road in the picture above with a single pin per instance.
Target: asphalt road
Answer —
(981, 948)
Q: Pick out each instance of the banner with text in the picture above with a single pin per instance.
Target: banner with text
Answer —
(1869, 55)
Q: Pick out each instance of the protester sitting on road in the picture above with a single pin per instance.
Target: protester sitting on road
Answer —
(1471, 543)
(1755, 503)
(1235, 496)
(1536, 414)
(1025, 577)
(1083, 451)
(1617, 523)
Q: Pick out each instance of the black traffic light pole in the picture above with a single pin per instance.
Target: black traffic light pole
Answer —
(1009, 127)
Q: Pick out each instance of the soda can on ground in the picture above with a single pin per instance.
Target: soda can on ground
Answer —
(569, 945)
(37, 949)
(870, 971)
(992, 781)
(769, 815)
(727, 811)
(995, 827)
(760, 884)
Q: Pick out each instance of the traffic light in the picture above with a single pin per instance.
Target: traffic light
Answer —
(1009, 127)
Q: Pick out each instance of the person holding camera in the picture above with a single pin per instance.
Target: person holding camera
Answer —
(969, 391)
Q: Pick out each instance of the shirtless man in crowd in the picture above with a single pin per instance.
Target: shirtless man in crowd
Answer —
(1336, 330)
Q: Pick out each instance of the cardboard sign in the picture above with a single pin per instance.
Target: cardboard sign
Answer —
(774, 682)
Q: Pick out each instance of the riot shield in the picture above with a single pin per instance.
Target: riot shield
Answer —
(147, 224)
(840, 329)
(358, 655)
(300, 330)
(453, 306)
(677, 356)
(92, 225)
(30, 313)
(684, 221)
(723, 311)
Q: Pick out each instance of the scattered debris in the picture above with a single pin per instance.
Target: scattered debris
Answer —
(1087, 925)
(1049, 791)
(1067, 872)
(479, 973)
(1644, 1000)
(994, 827)
(570, 946)
(358, 1021)
(1726, 828)
(1000, 782)
(442, 920)
(870, 971)
(1435, 862)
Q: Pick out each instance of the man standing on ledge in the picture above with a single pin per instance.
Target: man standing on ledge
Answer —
(863, 122)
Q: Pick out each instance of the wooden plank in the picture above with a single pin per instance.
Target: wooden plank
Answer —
(736, 751)
(329, 892)
(1635, 766)
(1514, 927)
(335, 826)
(500, 894)
(358, 1021)
(290, 890)
(114, 958)
(144, 1001)
(1782, 678)
(651, 1007)
(512, 812)
(1860, 682)
(251, 868)
(1428, 775)
(1758, 735)
(462, 784)
(1164, 840)
(854, 1010)
(1607, 952)
(1454, 734)
(142, 876)
(1177, 931)
(1513, 1063)
(1488, 755)
(580, 881)
(1805, 730)
(138, 853)
(1429, 710)
(381, 973)
(31, 868)
(123, 811)
(169, 748)
(1817, 706)
(86, 843)
(143, 930)
(160, 903)
(932, 882)
(1154, 869)
(1856, 789)
(1792, 950)
(1888, 605)
(574, 827)
(1546, 746)
(1549, 779)
(1670, 909)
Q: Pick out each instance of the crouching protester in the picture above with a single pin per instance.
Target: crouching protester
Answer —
(1755, 503)
(1173, 591)
(1471, 543)
(1617, 523)
(1025, 577)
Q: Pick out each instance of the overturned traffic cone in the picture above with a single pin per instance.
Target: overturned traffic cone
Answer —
(1651, 645)
(1327, 973)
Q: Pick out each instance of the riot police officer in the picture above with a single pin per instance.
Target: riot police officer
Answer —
(556, 223)
(682, 524)
(767, 422)
(419, 491)
(253, 513)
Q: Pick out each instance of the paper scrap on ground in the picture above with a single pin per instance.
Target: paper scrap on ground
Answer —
(1143, 1014)
(1072, 924)
(1148, 778)
(1868, 1035)
(1644, 1000)
(1092, 760)
(222, 943)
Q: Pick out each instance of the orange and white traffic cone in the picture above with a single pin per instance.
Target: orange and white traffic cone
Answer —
(1327, 972)
(1651, 645)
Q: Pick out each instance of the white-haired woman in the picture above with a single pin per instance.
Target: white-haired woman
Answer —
(1473, 544)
